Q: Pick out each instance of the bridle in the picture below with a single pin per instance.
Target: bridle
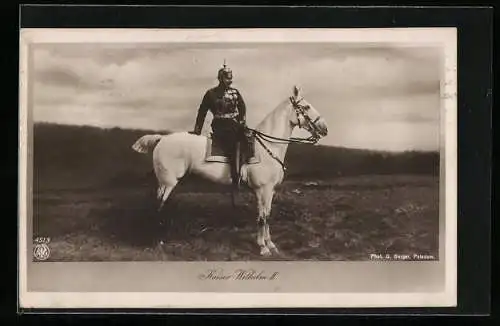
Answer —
(300, 110)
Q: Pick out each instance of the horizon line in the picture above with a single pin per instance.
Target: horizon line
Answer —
(166, 132)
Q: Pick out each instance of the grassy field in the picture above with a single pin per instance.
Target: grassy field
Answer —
(94, 198)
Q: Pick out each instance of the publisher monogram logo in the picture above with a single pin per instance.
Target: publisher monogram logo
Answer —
(41, 251)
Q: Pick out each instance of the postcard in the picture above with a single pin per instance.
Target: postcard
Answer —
(238, 168)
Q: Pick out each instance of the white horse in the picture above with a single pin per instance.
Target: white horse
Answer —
(178, 154)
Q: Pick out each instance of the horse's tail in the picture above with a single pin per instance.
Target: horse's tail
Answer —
(146, 143)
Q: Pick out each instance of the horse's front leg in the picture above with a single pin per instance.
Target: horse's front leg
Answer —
(267, 233)
(264, 200)
(261, 223)
(267, 236)
(261, 236)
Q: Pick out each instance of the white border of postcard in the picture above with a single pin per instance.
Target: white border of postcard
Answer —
(446, 37)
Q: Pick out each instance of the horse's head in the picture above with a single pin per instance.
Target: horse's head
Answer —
(306, 116)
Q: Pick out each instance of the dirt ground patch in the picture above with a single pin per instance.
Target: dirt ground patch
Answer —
(339, 219)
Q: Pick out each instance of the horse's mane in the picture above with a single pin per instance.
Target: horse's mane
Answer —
(274, 111)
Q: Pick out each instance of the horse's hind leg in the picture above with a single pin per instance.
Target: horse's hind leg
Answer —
(168, 177)
(161, 190)
(168, 180)
(163, 193)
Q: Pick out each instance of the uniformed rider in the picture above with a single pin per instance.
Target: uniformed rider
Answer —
(229, 117)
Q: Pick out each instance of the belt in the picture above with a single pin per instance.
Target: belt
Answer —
(226, 116)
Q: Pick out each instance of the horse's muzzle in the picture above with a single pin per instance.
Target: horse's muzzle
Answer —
(321, 127)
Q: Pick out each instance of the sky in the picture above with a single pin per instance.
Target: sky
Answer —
(372, 96)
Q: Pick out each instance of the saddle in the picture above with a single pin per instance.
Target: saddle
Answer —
(215, 152)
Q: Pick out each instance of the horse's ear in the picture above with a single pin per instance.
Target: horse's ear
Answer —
(296, 90)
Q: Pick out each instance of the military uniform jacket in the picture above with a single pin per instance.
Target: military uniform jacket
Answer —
(222, 103)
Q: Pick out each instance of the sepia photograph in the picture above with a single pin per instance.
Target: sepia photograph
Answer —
(203, 163)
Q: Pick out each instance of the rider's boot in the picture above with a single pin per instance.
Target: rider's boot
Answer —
(235, 174)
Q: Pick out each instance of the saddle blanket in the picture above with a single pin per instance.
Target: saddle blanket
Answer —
(214, 153)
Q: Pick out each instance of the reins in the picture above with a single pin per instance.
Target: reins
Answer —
(271, 154)
(260, 136)
(309, 140)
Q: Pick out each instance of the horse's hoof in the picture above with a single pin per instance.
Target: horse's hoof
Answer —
(264, 251)
(274, 249)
